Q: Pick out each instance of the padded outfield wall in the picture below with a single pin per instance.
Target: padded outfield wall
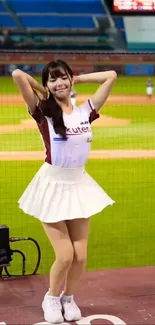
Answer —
(124, 64)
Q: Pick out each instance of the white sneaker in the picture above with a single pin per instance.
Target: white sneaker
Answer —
(52, 309)
(71, 311)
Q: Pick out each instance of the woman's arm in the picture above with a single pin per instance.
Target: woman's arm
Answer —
(27, 85)
(105, 79)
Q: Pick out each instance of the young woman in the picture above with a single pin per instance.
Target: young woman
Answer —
(62, 195)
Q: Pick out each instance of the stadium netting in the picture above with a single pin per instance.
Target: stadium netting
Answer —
(122, 159)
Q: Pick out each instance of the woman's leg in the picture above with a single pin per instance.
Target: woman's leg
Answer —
(62, 245)
(78, 232)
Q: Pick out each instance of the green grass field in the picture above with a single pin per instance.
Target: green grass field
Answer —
(139, 134)
(124, 85)
(122, 235)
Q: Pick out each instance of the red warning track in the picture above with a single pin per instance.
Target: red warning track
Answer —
(127, 296)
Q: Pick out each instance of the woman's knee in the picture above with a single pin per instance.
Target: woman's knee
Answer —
(65, 257)
(80, 254)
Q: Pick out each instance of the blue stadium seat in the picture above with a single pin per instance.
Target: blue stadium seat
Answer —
(119, 22)
(7, 21)
(2, 8)
(57, 22)
(57, 6)
(120, 25)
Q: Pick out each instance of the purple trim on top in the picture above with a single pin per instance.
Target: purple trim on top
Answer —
(44, 130)
(93, 116)
(38, 115)
(89, 102)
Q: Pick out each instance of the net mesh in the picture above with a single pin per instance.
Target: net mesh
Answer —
(121, 161)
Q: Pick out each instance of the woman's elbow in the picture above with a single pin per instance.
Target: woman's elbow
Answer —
(16, 73)
(113, 75)
(110, 76)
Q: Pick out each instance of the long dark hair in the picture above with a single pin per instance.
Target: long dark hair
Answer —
(50, 107)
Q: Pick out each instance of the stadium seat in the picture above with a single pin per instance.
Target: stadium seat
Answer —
(57, 22)
(120, 25)
(2, 8)
(58, 6)
(7, 21)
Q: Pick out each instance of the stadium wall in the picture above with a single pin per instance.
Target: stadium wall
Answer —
(140, 33)
(123, 64)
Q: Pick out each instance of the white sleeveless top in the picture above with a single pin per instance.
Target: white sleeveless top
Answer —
(73, 151)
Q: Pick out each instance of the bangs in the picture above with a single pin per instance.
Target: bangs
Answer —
(57, 72)
(56, 69)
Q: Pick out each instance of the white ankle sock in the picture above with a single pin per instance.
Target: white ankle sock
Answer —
(66, 298)
(57, 298)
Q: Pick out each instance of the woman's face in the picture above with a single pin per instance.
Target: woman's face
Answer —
(59, 85)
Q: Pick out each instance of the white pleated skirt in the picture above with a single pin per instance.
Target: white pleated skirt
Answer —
(57, 194)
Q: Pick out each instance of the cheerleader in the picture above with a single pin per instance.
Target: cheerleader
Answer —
(62, 195)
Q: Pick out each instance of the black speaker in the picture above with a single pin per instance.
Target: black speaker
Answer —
(5, 251)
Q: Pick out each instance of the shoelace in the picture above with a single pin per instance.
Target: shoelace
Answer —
(71, 302)
(55, 304)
